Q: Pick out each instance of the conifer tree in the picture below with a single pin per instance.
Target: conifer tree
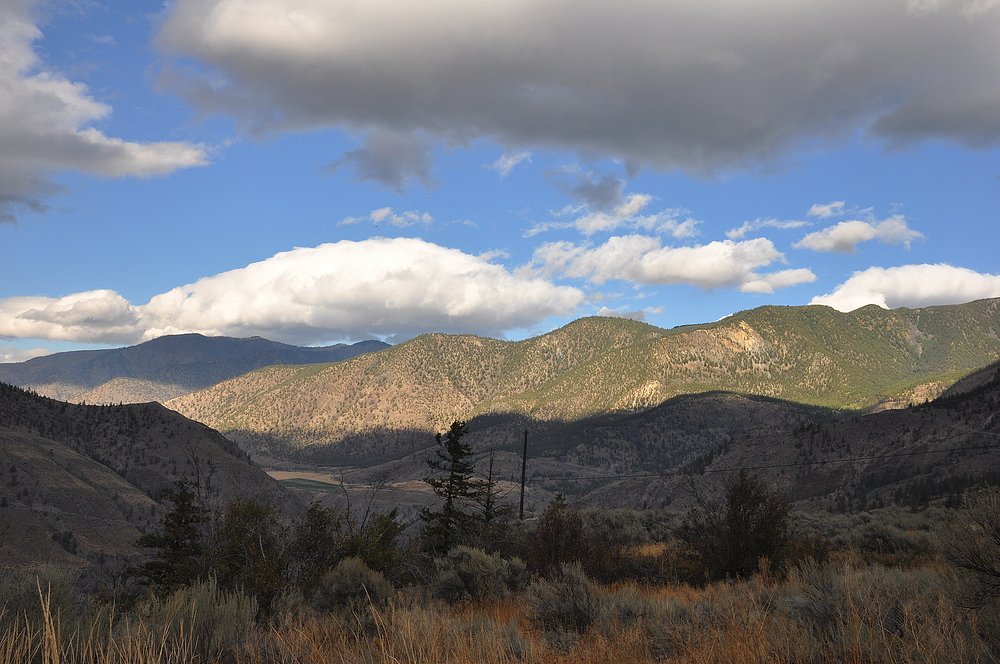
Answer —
(180, 551)
(451, 524)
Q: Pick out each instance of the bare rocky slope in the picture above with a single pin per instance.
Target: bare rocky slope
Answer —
(385, 405)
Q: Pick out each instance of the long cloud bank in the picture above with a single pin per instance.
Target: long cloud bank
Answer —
(911, 286)
(43, 125)
(344, 290)
(702, 86)
(641, 259)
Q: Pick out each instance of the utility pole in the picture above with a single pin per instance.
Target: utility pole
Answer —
(524, 467)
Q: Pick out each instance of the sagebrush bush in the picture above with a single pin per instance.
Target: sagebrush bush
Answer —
(468, 573)
(351, 585)
(201, 618)
(569, 601)
(21, 593)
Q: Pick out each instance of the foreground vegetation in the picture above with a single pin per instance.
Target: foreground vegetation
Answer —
(885, 586)
(735, 579)
(839, 612)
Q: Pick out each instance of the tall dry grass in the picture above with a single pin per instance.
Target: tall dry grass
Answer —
(818, 614)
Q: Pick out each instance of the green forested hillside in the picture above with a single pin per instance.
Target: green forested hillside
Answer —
(387, 403)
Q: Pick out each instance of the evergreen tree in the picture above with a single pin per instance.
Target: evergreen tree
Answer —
(180, 551)
(451, 525)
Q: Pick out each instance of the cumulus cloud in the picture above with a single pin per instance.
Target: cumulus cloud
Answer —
(642, 259)
(834, 209)
(506, 163)
(911, 286)
(43, 126)
(343, 290)
(845, 236)
(11, 354)
(757, 224)
(100, 316)
(702, 86)
(387, 216)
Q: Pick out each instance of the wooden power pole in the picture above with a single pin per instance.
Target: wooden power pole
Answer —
(524, 467)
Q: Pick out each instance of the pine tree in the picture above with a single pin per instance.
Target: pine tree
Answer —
(180, 551)
(451, 525)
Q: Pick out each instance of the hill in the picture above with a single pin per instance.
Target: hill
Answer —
(79, 484)
(912, 456)
(163, 368)
(385, 405)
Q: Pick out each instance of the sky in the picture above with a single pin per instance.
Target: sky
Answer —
(320, 171)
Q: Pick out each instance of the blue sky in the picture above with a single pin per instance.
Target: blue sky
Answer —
(315, 171)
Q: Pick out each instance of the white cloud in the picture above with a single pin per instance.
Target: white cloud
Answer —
(911, 286)
(11, 354)
(100, 316)
(44, 128)
(344, 290)
(505, 164)
(845, 236)
(387, 216)
(641, 259)
(627, 214)
(757, 224)
(701, 86)
(639, 315)
(834, 209)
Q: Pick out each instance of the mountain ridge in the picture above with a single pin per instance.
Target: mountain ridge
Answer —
(79, 484)
(813, 355)
(163, 368)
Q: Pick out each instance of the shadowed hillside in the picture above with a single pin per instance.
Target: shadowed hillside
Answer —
(79, 484)
(911, 456)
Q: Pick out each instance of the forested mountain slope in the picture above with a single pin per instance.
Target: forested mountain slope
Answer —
(386, 404)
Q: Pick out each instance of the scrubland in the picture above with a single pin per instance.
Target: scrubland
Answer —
(882, 588)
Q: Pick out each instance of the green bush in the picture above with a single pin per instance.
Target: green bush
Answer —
(729, 539)
(471, 573)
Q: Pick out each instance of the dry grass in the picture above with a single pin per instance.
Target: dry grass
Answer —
(819, 614)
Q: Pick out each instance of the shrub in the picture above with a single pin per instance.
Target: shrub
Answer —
(557, 539)
(567, 602)
(201, 617)
(351, 585)
(975, 547)
(729, 539)
(471, 573)
(22, 593)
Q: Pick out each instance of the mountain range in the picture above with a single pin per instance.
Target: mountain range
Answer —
(385, 405)
(163, 368)
(842, 411)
